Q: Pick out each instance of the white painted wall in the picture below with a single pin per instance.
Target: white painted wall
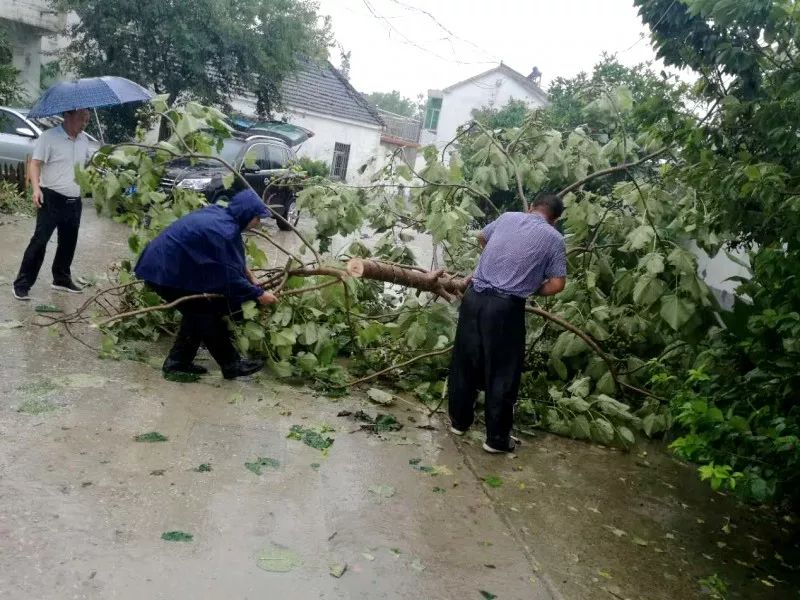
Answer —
(493, 90)
(31, 26)
(364, 139)
(26, 48)
(717, 270)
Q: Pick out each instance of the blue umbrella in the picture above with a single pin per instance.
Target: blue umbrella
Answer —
(92, 92)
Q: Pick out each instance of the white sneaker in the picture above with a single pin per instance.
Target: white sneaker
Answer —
(457, 431)
(492, 450)
(19, 295)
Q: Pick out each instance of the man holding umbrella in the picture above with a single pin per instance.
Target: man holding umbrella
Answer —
(57, 152)
(56, 196)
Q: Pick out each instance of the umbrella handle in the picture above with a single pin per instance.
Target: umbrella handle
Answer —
(99, 127)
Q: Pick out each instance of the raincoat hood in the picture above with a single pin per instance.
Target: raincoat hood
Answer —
(246, 205)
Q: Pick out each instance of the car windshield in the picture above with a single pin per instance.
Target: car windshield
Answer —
(230, 150)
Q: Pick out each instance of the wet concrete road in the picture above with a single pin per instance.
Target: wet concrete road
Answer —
(84, 505)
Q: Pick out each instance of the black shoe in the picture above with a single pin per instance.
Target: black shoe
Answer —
(171, 366)
(242, 367)
(67, 286)
(19, 293)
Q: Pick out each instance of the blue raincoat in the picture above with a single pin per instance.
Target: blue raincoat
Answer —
(203, 252)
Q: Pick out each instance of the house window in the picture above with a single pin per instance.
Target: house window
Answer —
(432, 113)
(341, 156)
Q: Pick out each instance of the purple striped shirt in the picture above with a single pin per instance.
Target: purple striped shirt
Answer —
(522, 251)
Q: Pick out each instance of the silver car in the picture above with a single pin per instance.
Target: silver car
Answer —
(18, 134)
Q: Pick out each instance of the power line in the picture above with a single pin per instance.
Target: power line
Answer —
(643, 35)
(411, 42)
(444, 28)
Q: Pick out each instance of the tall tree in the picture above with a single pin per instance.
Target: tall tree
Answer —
(208, 50)
(11, 90)
(394, 102)
(739, 406)
(505, 117)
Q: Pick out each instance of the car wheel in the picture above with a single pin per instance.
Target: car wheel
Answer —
(290, 213)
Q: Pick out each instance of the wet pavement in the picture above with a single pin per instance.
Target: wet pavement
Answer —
(412, 514)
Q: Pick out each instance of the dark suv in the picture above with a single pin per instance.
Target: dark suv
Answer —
(260, 158)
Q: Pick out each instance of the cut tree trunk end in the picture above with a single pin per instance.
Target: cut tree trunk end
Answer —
(437, 282)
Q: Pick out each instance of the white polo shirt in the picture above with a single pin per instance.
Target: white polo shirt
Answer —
(59, 154)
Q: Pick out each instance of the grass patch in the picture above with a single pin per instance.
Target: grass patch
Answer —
(36, 406)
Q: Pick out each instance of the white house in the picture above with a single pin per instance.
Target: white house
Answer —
(452, 107)
(32, 28)
(347, 129)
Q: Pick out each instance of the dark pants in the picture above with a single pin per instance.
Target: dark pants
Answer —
(57, 212)
(488, 354)
(203, 322)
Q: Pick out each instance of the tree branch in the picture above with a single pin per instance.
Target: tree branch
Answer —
(609, 171)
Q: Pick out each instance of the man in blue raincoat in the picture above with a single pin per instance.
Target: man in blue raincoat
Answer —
(203, 252)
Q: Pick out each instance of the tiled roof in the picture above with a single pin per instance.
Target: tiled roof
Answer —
(319, 87)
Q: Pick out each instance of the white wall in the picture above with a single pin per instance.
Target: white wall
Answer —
(493, 90)
(31, 26)
(364, 139)
(717, 270)
(26, 46)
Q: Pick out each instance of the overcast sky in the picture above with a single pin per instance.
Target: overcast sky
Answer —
(395, 45)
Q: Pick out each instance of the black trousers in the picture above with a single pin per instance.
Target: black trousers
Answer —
(61, 213)
(203, 322)
(488, 354)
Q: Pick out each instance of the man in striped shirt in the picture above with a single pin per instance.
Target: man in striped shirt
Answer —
(523, 254)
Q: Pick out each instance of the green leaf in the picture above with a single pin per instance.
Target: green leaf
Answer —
(606, 384)
(152, 436)
(574, 404)
(177, 536)
(493, 481)
(647, 290)
(559, 367)
(579, 428)
(47, 308)
(653, 263)
(249, 310)
(568, 344)
(682, 260)
(253, 330)
(280, 369)
(258, 465)
(309, 437)
(278, 560)
(653, 423)
(613, 408)
(639, 238)
(626, 436)
(676, 311)
(602, 431)
(580, 387)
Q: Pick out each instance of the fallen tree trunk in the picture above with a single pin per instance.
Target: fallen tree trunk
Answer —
(436, 282)
(451, 286)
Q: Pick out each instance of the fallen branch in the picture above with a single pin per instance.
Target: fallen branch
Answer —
(398, 366)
